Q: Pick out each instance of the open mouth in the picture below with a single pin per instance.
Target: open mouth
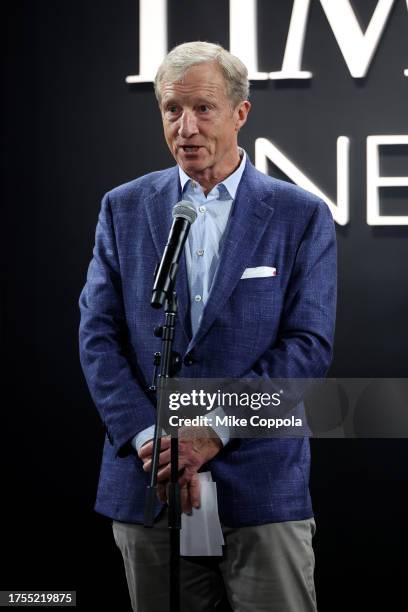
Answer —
(190, 149)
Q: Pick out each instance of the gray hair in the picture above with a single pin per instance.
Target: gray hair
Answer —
(181, 58)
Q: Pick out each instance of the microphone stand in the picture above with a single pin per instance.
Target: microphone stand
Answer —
(169, 363)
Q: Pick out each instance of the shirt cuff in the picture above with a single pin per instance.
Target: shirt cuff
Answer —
(144, 436)
(222, 431)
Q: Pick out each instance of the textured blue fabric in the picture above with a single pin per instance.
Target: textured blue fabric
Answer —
(278, 327)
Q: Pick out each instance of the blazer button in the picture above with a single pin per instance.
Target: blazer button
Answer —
(188, 360)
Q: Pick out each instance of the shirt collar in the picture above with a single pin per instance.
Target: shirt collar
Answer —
(230, 183)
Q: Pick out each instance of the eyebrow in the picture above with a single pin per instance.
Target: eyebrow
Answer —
(202, 100)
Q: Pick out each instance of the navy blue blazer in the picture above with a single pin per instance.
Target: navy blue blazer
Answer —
(279, 327)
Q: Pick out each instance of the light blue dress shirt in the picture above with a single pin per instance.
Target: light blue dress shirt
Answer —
(202, 252)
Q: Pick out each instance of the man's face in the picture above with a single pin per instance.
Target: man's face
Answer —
(200, 125)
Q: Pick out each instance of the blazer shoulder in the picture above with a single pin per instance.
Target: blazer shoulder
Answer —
(141, 187)
(290, 199)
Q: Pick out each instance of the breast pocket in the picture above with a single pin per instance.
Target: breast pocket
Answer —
(254, 300)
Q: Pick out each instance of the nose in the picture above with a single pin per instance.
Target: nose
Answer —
(188, 124)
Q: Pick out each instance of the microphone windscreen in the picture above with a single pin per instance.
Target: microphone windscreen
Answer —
(185, 210)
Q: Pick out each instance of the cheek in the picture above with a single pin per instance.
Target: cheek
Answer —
(170, 136)
(224, 132)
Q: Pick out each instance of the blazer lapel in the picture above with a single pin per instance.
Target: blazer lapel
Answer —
(159, 207)
(249, 217)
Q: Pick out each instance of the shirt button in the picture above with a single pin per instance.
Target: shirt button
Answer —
(200, 252)
(201, 209)
(198, 298)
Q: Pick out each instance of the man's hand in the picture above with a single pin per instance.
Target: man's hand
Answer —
(197, 445)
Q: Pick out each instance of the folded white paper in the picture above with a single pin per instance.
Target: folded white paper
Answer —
(259, 272)
(201, 533)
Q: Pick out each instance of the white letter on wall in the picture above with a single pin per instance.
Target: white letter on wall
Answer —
(375, 180)
(243, 36)
(291, 66)
(152, 39)
(357, 48)
(265, 149)
(406, 70)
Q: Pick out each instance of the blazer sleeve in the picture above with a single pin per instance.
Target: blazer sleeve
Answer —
(304, 345)
(123, 405)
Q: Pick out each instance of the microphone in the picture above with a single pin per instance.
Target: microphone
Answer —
(184, 215)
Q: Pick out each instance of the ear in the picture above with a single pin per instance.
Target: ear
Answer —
(241, 114)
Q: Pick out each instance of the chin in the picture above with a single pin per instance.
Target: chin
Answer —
(192, 165)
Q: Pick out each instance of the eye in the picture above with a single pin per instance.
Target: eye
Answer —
(172, 112)
(203, 108)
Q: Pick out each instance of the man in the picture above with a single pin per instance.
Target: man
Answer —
(231, 324)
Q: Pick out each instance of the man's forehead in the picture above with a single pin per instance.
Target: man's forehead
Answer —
(201, 79)
(170, 90)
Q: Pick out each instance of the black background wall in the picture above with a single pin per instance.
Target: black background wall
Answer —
(72, 130)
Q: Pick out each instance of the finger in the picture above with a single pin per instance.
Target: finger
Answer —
(194, 490)
(186, 476)
(164, 457)
(164, 473)
(145, 450)
(185, 500)
(162, 493)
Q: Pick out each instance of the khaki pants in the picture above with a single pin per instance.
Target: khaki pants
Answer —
(264, 568)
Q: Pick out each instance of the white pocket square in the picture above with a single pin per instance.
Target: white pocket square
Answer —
(259, 272)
